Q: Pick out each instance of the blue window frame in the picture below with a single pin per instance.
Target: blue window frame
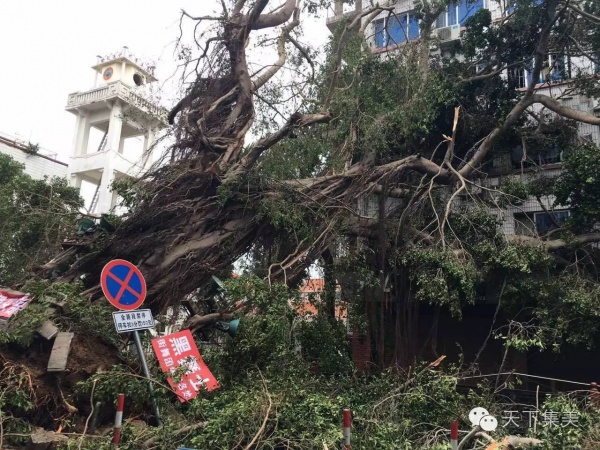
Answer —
(379, 35)
(399, 28)
(413, 28)
(396, 29)
(466, 10)
(459, 13)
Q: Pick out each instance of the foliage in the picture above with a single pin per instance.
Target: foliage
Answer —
(325, 342)
(514, 190)
(265, 337)
(441, 278)
(578, 188)
(120, 380)
(35, 216)
(21, 328)
(571, 436)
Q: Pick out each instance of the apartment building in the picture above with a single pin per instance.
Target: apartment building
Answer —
(392, 29)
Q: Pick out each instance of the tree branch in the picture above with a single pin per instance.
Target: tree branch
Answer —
(261, 80)
(555, 244)
(525, 102)
(468, 437)
(486, 76)
(237, 9)
(295, 121)
(275, 18)
(587, 15)
(200, 18)
(337, 66)
(195, 322)
(564, 111)
(304, 53)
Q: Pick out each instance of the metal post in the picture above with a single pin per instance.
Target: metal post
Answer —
(346, 429)
(140, 350)
(118, 419)
(94, 421)
(454, 435)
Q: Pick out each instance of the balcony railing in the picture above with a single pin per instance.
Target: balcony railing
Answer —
(113, 90)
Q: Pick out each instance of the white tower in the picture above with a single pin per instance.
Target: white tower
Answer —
(116, 107)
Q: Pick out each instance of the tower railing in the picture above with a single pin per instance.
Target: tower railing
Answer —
(113, 90)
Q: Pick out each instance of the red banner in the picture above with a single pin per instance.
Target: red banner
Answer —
(12, 302)
(177, 353)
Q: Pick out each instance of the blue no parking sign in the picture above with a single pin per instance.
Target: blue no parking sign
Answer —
(123, 285)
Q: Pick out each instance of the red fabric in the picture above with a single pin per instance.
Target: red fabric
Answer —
(11, 303)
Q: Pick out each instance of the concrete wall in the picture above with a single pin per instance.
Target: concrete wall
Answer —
(36, 166)
(120, 75)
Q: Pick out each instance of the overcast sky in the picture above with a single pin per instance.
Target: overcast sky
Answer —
(48, 47)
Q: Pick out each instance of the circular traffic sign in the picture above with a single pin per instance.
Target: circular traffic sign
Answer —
(123, 285)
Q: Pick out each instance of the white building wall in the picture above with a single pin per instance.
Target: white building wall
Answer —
(36, 166)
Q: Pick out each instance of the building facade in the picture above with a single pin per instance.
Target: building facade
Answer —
(391, 30)
(38, 163)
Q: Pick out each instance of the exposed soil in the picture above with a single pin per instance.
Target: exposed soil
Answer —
(53, 393)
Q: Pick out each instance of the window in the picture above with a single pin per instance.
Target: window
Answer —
(524, 225)
(587, 137)
(511, 5)
(396, 29)
(551, 155)
(516, 77)
(558, 68)
(528, 224)
(459, 13)
(545, 223)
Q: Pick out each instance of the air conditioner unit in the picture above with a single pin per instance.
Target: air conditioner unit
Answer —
(448, 33)
(444, 34)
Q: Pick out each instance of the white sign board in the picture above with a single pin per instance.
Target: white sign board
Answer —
(140, 319)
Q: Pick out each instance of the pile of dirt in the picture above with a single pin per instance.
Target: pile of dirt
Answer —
(53, 393)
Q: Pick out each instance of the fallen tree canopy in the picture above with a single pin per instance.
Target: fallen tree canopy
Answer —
(219, 194)
(263, 403)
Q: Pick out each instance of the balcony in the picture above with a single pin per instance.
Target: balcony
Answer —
(97, 98)
(92, 164)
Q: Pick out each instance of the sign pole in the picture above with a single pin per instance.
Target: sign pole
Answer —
(140, 350)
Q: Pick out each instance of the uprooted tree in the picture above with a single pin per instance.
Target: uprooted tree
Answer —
(275, 160)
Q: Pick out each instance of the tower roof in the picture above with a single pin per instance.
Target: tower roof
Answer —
(125, 56)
